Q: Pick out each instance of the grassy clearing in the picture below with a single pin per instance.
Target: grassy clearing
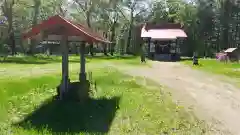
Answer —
(24, 66)
(211, 65)
(119, 106)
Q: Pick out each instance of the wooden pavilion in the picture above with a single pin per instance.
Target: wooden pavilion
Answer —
(57, 28)
(163, 40)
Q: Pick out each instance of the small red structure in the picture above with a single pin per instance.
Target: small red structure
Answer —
(58, 28)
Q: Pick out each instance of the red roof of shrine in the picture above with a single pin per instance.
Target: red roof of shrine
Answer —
(55, 25)
(162, 31)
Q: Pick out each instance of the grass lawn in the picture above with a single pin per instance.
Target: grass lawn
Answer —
(212, 65)
(119, 106)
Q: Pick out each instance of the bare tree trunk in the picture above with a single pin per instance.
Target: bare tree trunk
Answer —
(113, 37)
(87, 8)
(12, 42)
(22, 47)
(88, 14)
(105, 45)
(37, 4)
(11, 39)
(225, 22)
(130, 33)
(7, 9)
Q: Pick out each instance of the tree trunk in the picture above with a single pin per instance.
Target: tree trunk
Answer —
(12, 42)
(88, 14)
(105, 45)
(225, 21)
(22, 47)
(8, 12)
(11, 39)
(130, 33)
(113, 37)
(37, 4)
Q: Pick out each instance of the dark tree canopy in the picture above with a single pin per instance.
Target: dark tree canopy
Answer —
(211, 25)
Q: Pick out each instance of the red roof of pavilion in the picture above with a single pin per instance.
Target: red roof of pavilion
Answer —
(53, 26)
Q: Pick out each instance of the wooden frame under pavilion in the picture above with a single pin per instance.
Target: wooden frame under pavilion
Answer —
(57, 28)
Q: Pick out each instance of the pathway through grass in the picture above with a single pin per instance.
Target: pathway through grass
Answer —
(120, 106)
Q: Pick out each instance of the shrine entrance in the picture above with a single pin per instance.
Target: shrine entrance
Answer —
(162, 41)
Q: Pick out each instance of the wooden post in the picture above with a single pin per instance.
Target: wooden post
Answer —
(65, 77)
(142, 51)
(82, 75)
(149, 45)
(176, 45)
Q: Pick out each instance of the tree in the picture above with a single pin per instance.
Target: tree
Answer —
(36, 7)
(135, 7)
(211, 25)
(7, 9)
(87, 7)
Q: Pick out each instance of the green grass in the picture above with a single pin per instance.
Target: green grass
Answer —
(119, 106)
(214, 66)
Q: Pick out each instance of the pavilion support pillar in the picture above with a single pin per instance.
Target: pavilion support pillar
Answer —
(82, 74)
(65, 75)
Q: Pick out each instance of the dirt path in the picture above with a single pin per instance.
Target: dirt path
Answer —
(213, 100)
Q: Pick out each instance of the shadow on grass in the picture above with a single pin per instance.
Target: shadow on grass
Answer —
(57, 59)
(103, 57)
(34, 60)
(166, 60)
(61, 117)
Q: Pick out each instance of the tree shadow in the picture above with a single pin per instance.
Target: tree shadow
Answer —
(57, 59)
(166, 60)
(34, 60)
(22, 61)
(61, 117)
(115, 57)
